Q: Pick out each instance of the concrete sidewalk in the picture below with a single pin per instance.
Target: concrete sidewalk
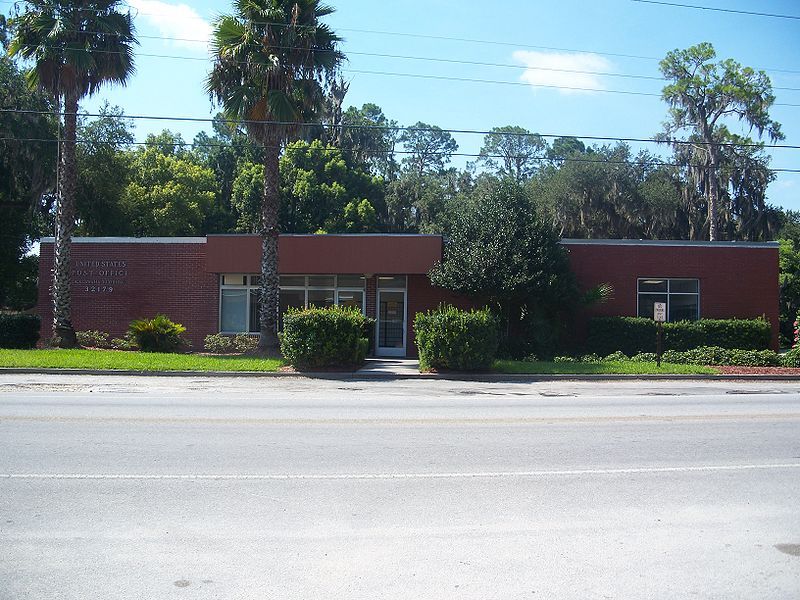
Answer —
(390, 366)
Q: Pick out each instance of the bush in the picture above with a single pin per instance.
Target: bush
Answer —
(644, 357)
(19, 330)
(566, 359)
(791, 358)
(218, 343)
(244, 343)
(126, 343)
(615, 356)
(324, 337)
(449, 338)
(158, 334)
(633, 335)
(93, 339)
(714, 355)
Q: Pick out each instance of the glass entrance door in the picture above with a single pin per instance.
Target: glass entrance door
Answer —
(391, 323)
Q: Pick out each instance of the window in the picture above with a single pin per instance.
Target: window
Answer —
(238, 305)
(239, 297)
(682, 297)
(392, 282)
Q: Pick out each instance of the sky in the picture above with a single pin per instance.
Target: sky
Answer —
(532, 45)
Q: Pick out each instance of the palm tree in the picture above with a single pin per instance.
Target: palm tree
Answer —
(74, 47)
(271, 61)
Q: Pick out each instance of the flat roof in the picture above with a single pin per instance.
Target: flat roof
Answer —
(668, 243)
(131, 240)
(566, 241)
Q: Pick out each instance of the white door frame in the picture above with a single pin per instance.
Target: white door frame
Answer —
(379, 351)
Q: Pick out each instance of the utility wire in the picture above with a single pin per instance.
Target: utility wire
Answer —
(716, 9)
(345, 126)
(433, 37)
(405, 152)
(446, 78)
(413, 58)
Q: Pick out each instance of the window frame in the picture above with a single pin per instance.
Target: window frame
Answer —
(249, 286)
(668, 293)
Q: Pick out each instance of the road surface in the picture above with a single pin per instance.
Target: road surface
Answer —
(239, 488)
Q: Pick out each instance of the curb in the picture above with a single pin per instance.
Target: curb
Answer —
(368, 376)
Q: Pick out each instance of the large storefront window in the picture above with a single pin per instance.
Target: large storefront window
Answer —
(239, 303)
(682, 297)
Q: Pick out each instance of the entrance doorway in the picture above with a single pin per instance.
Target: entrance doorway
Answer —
(391, 338)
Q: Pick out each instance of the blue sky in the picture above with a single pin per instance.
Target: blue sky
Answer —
(587, 35)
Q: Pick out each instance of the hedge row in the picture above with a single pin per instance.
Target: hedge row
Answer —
(632, 335)
(703, 356)
(453, 339)
(19, 330)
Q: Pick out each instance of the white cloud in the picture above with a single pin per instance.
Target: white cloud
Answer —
(560, 70)
(175, 21)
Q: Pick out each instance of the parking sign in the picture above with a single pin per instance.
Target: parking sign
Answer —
(660, 312)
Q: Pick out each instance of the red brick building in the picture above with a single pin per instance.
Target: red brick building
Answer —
(209, 284)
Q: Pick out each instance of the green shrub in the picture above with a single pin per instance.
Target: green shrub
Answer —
(644, 357)
(324, 337)
(126, 343)
(714, 355)
(158, 334)
(615, 356)
(19, 330)
(632, 335)
(449, 338)
(244, 343)
(591, 358)
(218, 343)
(93, 339)
(566, 359)
(791, 358)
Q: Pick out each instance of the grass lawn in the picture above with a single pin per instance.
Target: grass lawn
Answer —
(134, 361)
(626, 367)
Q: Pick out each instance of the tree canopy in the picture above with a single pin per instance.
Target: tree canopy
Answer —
(701, 95)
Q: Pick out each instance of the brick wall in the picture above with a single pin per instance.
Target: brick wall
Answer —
(172, 278)
(114, 283)
(734, 282)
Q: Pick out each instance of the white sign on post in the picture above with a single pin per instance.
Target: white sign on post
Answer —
(660, 312)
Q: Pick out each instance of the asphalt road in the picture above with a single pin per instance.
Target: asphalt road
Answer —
(162, 488)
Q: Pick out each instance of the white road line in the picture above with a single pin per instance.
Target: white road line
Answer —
(367, 476)
(406, 421)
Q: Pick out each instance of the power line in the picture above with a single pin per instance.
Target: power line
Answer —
(415, 58)
(407, 128)
(405, 152)
(435, 37)
(716, 9)
(447, 78)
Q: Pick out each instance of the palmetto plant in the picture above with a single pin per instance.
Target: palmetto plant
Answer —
(272, 59)
(72, 47)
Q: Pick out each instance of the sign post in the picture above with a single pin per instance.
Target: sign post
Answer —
(659, 316)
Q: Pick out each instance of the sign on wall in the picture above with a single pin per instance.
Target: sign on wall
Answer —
(99, 276)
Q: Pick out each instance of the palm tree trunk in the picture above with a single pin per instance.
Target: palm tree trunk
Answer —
(270, 282)
(63, 332)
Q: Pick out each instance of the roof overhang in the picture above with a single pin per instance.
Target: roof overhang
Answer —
(323, 254)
